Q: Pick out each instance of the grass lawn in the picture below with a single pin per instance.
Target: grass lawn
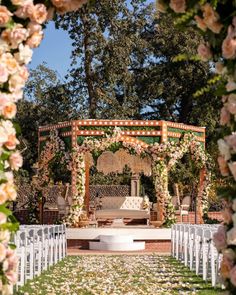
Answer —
(123, 274)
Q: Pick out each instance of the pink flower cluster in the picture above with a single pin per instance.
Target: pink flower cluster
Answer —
(218, 24)
(20, 31)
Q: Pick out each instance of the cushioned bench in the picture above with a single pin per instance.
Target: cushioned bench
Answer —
(123, 207)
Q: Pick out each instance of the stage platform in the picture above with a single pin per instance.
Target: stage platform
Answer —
(156, 239)
(139, 233)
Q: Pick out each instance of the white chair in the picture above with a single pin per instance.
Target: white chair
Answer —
(29, 255)
(45, 248)
(192, 235)
(173, 240)
(38, 250)
(20, 241)
(184, 207)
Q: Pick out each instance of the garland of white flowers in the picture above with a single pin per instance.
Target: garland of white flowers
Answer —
(20, 31)
(164, 157)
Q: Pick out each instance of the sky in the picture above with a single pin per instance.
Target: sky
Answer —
(55, 49)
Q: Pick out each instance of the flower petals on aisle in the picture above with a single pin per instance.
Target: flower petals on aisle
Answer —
(123, 275)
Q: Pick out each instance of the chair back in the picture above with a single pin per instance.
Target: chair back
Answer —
(186, 201)
(175, 201)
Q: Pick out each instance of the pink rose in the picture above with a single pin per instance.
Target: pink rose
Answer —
(11, 142)
(200, 23)
(231, 140)
(15, 160)
(211, 17)
(220, 68)
(10, 191)
(5, 15)
(219, 238)
(215, 27)
(3, 218)
(3, 197)
(227, 215)
(233, 275)
(209, 14)
(232, 168)
(25, 11)
(224, 116)
(3, 74)
(35, 39)
(3, 252)
(4, 46)
(10, 63)
(230, 86)
(24, 55)
(17, 35)
(179, 6)
(63, 6)
(12, 263)
(34, 27)
(3, 136)
(231, 236)
(24, 73)
(231, 104)
(204, 52)
(21, 2)
(16, 82)
(11, 276)
(9, 110)
(226, 266)
(39, 14)
(229, 48)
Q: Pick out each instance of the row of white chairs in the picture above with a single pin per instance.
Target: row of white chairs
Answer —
(193, 245)
(38, 248)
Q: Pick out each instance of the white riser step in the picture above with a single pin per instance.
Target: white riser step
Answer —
(116, 238)
(133, 246)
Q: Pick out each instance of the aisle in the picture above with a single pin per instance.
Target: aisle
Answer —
(125, 275)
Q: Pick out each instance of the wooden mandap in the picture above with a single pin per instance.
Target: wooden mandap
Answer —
(141, 132)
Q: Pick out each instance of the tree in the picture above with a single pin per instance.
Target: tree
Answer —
(105, 37)
(122, 65)
(47, 100)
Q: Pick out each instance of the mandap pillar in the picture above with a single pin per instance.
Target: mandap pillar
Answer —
(161, 194)
(73, 147)
(87, 195)
(160, 173)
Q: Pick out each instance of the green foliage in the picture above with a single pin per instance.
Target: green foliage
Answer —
(98, 178)
(147, 186)
(47, 100)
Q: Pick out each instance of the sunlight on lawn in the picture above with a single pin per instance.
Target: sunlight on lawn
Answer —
(131, 275)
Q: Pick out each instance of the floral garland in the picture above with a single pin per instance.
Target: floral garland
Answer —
(52, 147)
(44, 177)
(164, 157)
(76, 209)
(216, 21)
(20, 31)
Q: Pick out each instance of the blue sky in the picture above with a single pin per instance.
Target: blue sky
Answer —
(55, 49)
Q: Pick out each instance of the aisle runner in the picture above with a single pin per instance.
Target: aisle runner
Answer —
(124, 275)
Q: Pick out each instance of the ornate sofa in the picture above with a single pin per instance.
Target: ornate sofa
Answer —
(123, 207)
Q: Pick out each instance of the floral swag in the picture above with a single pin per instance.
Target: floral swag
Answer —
(164, 156)
(216, 22)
